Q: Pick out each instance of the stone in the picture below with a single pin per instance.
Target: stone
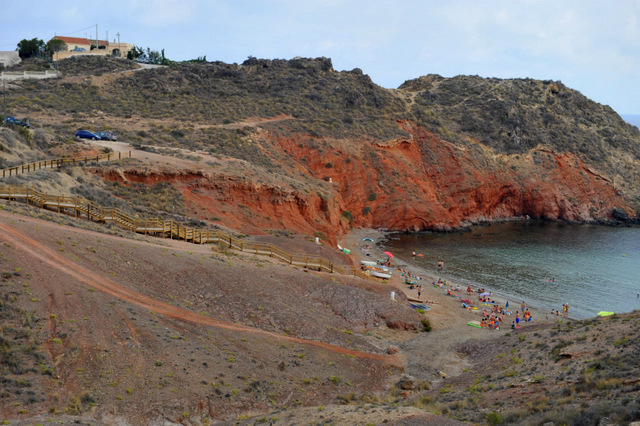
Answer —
(406, 382)
(619, 214)
(393, 350)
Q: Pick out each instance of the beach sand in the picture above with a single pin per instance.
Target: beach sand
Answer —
(433, 355)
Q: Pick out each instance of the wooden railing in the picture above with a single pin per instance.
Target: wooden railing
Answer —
(59, 162)
(80, 206)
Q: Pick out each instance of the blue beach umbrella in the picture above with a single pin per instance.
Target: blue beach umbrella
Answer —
(507, 305)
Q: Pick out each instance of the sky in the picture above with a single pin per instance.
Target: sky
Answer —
(592, 46)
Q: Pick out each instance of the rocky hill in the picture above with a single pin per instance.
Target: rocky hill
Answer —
(323, 150)
(99, 325)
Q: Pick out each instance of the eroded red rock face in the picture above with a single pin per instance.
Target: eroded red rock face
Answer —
(417, 183)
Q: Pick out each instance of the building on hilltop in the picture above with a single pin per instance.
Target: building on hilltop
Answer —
(8, 59)
(86, 46)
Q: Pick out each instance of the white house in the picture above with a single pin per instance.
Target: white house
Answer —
(10, 58)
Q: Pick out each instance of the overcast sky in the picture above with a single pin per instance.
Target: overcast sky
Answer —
(590, 45)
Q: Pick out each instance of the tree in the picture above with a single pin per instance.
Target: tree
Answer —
(154, 56)
(149, 56)
(55, 45)
(28, 48)
(135, 53)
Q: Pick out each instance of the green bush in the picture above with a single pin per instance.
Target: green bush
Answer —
(426, 325)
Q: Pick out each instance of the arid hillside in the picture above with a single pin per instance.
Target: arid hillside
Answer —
(301, 147)
(113, 328)
(141, 329)
(100, 325)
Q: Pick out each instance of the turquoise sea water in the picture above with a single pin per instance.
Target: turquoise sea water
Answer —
(594, 268)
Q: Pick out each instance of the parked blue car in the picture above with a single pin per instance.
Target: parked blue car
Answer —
(85, 134)
(13, 120)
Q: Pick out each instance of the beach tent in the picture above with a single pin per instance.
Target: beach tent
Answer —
(388, 254)
(605, 313)
(367, 239)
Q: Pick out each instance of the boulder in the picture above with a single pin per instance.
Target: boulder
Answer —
(619, 214)
(406, 382)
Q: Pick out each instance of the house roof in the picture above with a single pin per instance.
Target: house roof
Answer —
(81, 40)
(73, 40)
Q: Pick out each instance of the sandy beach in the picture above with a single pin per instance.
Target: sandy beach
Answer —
(433, 356)
(447, 311)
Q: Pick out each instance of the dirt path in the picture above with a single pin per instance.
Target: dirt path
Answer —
(92, 280)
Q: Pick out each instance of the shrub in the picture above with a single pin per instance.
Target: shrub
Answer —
(426, 325)
(493, 418)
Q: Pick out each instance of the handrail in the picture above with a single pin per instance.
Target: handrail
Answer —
(169, 229)
(58, 162)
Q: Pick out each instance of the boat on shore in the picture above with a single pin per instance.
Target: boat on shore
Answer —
(379, 274)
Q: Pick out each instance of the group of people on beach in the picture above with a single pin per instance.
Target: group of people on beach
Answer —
(493, 317)
(565, 311)
(526, 316)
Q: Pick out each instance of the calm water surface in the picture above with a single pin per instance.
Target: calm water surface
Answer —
(594, 268)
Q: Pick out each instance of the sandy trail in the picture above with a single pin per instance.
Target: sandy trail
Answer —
(92, 280)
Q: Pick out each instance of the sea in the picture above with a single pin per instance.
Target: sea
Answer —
(546, 264)
(632, 119)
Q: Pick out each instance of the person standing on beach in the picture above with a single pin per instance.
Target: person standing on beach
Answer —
(523, 305)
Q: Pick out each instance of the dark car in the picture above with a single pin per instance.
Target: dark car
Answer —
(15, 121)
(85, 134)
(107, 136)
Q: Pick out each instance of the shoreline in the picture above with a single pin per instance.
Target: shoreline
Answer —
(455, 313)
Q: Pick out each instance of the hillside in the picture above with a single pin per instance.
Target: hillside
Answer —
(97, 328)
(308, 149)
(102, 325)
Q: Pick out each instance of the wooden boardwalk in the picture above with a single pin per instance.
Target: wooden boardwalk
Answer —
(57, 163)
